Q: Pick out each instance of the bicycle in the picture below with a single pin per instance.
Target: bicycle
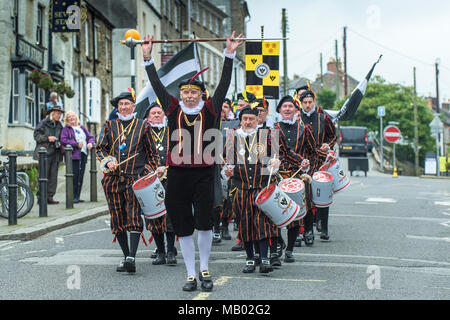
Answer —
(25, 196)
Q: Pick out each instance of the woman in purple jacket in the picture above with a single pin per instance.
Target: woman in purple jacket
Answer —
(81, 141)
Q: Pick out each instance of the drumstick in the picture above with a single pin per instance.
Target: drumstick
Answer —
(296, 172)
(124, 161)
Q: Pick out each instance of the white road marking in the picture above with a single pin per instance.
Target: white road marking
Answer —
(383, 200)
(359, 202)
(390, 217)
(442, 203)
(7, 243)
(428, 238)
(59, 240)
(446, 224)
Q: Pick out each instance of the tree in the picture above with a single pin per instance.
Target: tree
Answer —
(326, 98)
(398, 101)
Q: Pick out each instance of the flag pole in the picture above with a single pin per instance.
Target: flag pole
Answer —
(130, 42)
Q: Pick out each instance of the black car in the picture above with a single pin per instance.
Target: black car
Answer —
(353, 141)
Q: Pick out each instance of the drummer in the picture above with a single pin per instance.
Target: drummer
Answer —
(247, 160)
(300, 140)
(324, 134)
(160, 226)
(120, 140)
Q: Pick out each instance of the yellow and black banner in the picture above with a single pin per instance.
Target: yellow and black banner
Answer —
(262, 66)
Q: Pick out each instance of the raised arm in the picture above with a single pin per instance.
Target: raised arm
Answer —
(160, 91)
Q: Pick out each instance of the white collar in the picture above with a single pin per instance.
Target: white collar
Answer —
(244, 134)
(230, 115)
(126, 118)
(159, 125)
(291, 122)
(194, 110)
(308, 114)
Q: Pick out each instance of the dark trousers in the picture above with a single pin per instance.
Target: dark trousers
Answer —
(78, 168)
(51, 173)
(189, 188)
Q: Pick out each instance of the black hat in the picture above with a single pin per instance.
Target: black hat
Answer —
(306, 94)
(154, 104)
(287, 99)
(193, 82)
(248, 110)
(123, 95)
(54, 108)
(246, 96)
(304, 85)
(262, 103)
(227, 101)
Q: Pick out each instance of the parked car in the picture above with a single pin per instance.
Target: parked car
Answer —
(353, 141)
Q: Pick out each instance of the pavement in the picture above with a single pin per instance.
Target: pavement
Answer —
(32, 226)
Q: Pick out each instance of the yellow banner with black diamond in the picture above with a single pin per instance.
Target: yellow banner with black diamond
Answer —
(262, 68)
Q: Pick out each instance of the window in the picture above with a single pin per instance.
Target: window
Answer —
(86, 38)
(211, 26)
(175, 17)
(217, 26)
(204, 18)
(14, 108)
(76, 40)
(29, 100)
(169, 10)
(41, 105)
(15, 15)
(39, 25)
(197, 11)
(96, 36)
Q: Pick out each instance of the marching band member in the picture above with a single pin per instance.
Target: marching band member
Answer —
(160, 226)
(246, 157)
(126, 151)
(324, 134)
(190, 176)
(300, 140)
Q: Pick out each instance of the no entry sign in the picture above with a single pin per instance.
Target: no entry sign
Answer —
(392, 134)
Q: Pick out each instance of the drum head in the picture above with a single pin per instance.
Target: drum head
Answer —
(322, 176)
(144, 181)
(291, 185)
(265, 194)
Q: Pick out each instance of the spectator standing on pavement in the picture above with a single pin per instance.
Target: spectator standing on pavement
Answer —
(47, 134)
(81, 141)
(52, 103)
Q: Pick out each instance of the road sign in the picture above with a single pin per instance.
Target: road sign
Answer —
(381, 111)
(392, 134)
(436, 126)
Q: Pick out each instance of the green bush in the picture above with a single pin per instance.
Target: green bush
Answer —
(33, 176)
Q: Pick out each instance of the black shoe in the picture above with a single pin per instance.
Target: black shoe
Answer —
(190, 285)
(205, 278)
(76, 200)
(130, 265)
(280, 248)
(51, 201)
(154, 254)
(249, 266)
(288, 257)
(324, 235)
(225, 233)
(308, 237)
(79, 200)
(275, 260)
(298, 241)
(171, 260)
(265, 266)
(216, 238)
(120, 267)
(160, 259)
(319, 226)
(239, 246)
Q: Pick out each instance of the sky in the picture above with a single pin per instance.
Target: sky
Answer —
(407, 33)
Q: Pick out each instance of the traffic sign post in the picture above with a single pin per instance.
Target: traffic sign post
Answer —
(392, 134)
(381, 112)
(436, 126)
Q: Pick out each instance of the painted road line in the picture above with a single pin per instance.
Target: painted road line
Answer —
(382, 200)
(447, 239)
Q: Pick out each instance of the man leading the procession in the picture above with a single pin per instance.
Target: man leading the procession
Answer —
(324, 134)
(161, 225)
(190, 176)
(126, 151)
(299, 138)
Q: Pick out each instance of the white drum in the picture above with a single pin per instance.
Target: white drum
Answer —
(341, 180)
(295, 189)
(322, 189)
(277, 205)
(150, 193)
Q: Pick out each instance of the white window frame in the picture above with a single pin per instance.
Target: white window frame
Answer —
(15, 101)
(96, 30)
(86, 37)
(30, 105)
(39, 25)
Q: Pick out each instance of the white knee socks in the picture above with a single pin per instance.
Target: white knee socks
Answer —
(187, 246)
(204, 241)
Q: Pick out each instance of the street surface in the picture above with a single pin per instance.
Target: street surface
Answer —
(390, 239)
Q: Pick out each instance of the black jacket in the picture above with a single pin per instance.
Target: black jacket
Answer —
(43, 130)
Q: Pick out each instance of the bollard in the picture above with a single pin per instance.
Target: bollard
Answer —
(42, 188)
(69, 177)
(12, 188)
(93, 170)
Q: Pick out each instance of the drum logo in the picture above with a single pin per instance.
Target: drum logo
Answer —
(341, 173)
(262, 70)
(159, 194)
